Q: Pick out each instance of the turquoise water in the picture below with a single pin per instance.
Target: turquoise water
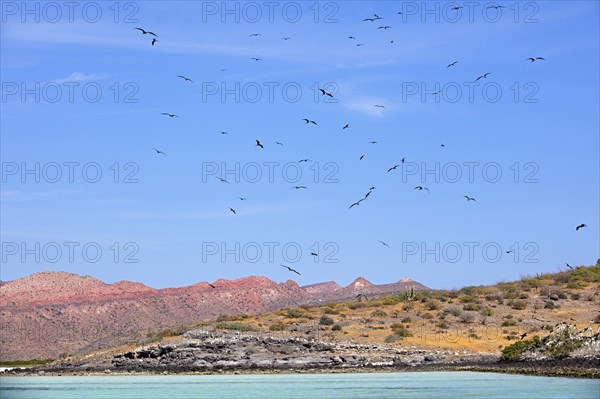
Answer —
(434, 385)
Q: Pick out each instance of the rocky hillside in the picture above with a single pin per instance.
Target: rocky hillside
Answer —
(52, 314)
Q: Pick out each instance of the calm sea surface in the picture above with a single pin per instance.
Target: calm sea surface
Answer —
(435, 385)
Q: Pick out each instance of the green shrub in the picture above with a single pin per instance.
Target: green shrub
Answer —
(336, 327)
(326, 321)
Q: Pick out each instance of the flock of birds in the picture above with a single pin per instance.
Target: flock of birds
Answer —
(308, 121)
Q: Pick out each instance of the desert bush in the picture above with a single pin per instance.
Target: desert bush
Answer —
(471, 307)
(277, 327)
(432, 305)
(379, 313)
(326, 321)
(518, 305)
(508, 323)
(295, 313)
(336, 327)
(466, 318)
(329, 310)
(486, 311)
(406, 320)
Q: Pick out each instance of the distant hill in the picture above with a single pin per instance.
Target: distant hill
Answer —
(49, 314)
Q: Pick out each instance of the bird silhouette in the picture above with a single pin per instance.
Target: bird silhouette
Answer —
(402, 160)
(533, 59)
(569, 266)
(393, 168)
(369, 19)
(233, 210)
(170, 115)
(351, 37)
(222, 180)
(323, 92)
(159, 151)
(258, 144)
(359, 45)
(255, 35)
(307, 121)
(581, 226)
(305, 160)
(384, 244)
(256, 59)
(211, 286)
(278, 143)
(299, 187)
(484, 76)
(452, 64)
(356, 203)
(313, 254)
(224, 133)
(378, 106)
(146, 32)
(154, 41)
(242, 198)
(373, 142)
(185, 78)
(346, 126)
(469, 198)
(361, 157)
(456, 8)
(290, 269)
(421, 188)
(523, 336)
(286, 38)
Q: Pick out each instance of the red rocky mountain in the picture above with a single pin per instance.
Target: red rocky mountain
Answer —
(48, 314)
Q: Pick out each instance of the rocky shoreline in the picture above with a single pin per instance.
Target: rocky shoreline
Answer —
(218, 352)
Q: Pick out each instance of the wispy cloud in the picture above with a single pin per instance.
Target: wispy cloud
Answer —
(80, 77)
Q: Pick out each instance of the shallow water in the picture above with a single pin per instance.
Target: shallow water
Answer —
(438, 385)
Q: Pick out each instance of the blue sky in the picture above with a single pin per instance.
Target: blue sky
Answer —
(535, 123)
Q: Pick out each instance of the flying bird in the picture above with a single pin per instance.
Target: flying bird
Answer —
(351, 37)
(159, 151)
(185, 78)
(442, 145)
(523, 336)
(378, 106)
(422, 188)
(511, 251)
(258, 144)
(369, 19)
(290, 269)
(224, 133)
(233, 210)
(456, 8)
(346, 126)
(278, 143)
(454, 63)
(286, 38)
(384, 244)
(222, 180)
(484, 76)
(313, 254)
(373, 142)
(581, 226)
(402, 160)
(146, 32)
(384, 27)
(211, 286)
(323, 92)
(469, 198)
(359, 44)
(356, 203)
(305, 160)
(393, 168)
(255, 35)
(256, 59)
(361, 157)
(299, 187)
(532, 59)
(377, 17)
(496, 7)
(569, 266)
(154, 41)
(170, 115)
(242, 198)
(309, 121)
